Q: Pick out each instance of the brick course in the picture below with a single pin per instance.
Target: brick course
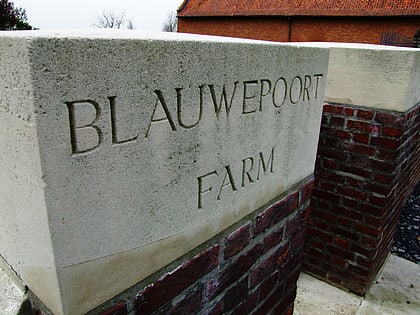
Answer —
(359, 191)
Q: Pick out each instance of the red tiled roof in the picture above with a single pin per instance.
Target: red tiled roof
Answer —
(300, 7)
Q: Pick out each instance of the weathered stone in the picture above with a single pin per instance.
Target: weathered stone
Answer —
(120, 151)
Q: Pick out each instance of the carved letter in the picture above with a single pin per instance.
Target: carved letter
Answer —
(114, 124)
(200, 188)
(249, 97)
(228, 174)
(317, 76)
(246, 172)
(261, 163)
(306, 87)
(179, 102)
(300, 89)
(262, 94)
(223, 98)
(160, 100)
(275, 102)
(88, 128)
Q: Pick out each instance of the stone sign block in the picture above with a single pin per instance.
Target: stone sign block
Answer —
(120, 152)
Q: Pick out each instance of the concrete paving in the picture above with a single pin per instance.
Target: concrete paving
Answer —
(395, 292)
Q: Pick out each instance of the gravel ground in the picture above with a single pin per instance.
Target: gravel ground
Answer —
(407, 238)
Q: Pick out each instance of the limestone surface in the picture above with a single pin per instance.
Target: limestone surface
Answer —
(122, 151)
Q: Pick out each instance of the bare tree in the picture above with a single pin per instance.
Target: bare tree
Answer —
(113, 19)
(171, 23)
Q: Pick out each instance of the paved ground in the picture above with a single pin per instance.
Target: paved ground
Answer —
(407, 238)
(396, 292)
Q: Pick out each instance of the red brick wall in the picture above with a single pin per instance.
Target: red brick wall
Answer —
(251, 267)
(326, 29)
(368, 163)
(355, 30)
(270, 28)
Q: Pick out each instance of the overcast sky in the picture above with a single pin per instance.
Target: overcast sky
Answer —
(147, 15)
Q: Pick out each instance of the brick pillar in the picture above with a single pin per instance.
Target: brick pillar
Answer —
(368, 163)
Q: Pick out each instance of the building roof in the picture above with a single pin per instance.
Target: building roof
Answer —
(191, 8)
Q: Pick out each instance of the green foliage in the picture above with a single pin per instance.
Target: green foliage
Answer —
(12, 18)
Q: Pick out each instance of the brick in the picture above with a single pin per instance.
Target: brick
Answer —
(273, 239)
(326, 186)
(268, 266)
(383, 166)
(342, 134)
(119, 309)
(331, 197)
(346, 223)
(268, 285)
(298, 241)
(355, 170)
(377, 211)
(350, 234)
(234, 296)
(191, 304)
(286, 303)
(216, 309)
(331, 109)
(341, 242)
(392, 132)
(321, 235)
(363, 249)
(361, 149)
(233, 272)
(332, 141)
(162, 291)
(361, 137)
(276, 213)
(339, 261)
(341, 252)
(248, 305)
(320, 224)
(378, 188)
(349, 111)
(385, 142)
(350, 192)
(355, 183)
(378, 201)
(389, 119)
(383, 178)
(385, 154)
(333, 154)
(298, 223)
(365, 114)
(319, 214)
(316, 244)
(353, 214)
(329, 163)
(350, 203)
(237, 240)
(372, 231)
(337, 121)
(364, 126)
(305, 191)
(271, 301)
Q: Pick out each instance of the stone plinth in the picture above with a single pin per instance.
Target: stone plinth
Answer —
(121, 151)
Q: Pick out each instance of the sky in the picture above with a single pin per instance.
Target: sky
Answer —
(146, 15)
